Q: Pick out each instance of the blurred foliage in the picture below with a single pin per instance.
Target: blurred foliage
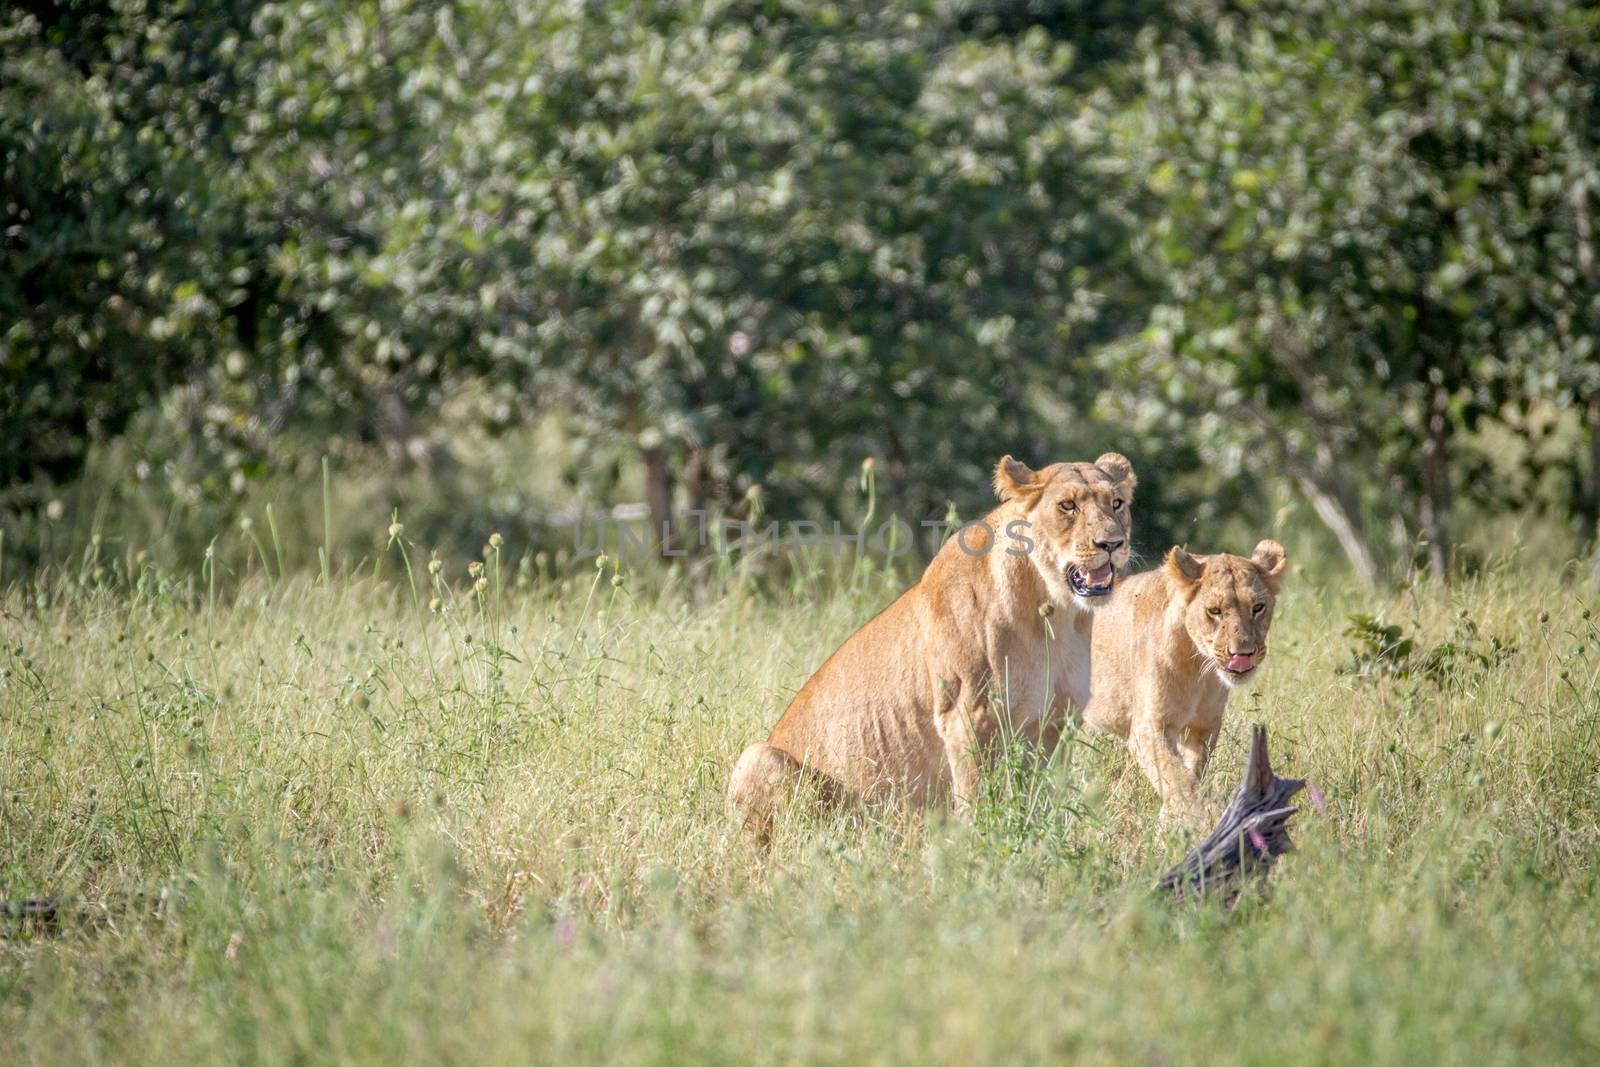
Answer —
(740, 246)
(1382, 649)
(1372, 229)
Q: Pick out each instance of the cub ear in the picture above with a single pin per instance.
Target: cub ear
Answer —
(1183, 568)
(1012, 478)
(1115, 465)
(1271, 561)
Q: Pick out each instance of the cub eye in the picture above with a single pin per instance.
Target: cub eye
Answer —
(1068, 507)
(1118, 504)
(1258, 609)
(1215, 613)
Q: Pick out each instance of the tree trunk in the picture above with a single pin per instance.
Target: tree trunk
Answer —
(1589, 494)
(1316, 472)
(658, 498)
(1589, 502)
(1589, 488)
(697, 488)
(1435, 512)
(1337, 509)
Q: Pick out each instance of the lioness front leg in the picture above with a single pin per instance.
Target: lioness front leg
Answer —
(1155, 748)
(1062, 719)
(967, 730)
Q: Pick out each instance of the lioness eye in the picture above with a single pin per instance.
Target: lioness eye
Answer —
(1258, 609)
(1215, 613)
(1116, 505)
(1069, 507)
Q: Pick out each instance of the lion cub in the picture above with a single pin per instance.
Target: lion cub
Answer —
(1166, 652)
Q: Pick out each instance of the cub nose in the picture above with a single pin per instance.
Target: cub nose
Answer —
(1110, 546)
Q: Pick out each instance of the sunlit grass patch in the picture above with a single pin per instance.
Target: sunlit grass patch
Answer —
(492, 829)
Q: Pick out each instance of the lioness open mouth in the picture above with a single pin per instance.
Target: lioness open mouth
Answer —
(1097, 582)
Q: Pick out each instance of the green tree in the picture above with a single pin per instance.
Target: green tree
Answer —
(762, 241)
(94, 221)
(1370, 220)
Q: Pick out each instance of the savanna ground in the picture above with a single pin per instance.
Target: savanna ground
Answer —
(491, 830)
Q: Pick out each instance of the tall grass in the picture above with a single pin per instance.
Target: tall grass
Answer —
(410, 815)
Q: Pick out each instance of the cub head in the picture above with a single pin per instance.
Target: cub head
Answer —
(1078, 522)
(1228, 602)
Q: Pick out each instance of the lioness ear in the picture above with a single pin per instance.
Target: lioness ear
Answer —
(1012, 477)
(1184, 568)
(1115, 465)
(1271, 561)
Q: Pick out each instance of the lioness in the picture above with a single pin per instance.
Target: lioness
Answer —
(909, 702)
(1168, 649)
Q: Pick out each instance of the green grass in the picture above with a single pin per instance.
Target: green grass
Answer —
(494, 833)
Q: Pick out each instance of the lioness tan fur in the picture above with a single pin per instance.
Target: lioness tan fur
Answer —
(909, 703)
(1167, 651)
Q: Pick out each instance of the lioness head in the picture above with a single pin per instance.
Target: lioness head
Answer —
(1228, 605)
(1078, 522)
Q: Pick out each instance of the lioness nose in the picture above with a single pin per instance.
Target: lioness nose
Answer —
(1109, 546)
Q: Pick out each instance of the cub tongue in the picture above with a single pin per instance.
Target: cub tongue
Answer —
(1100, 575)
(1237, 662)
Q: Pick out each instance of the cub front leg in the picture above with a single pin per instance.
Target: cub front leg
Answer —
(1194, 745)
(1155, 749)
